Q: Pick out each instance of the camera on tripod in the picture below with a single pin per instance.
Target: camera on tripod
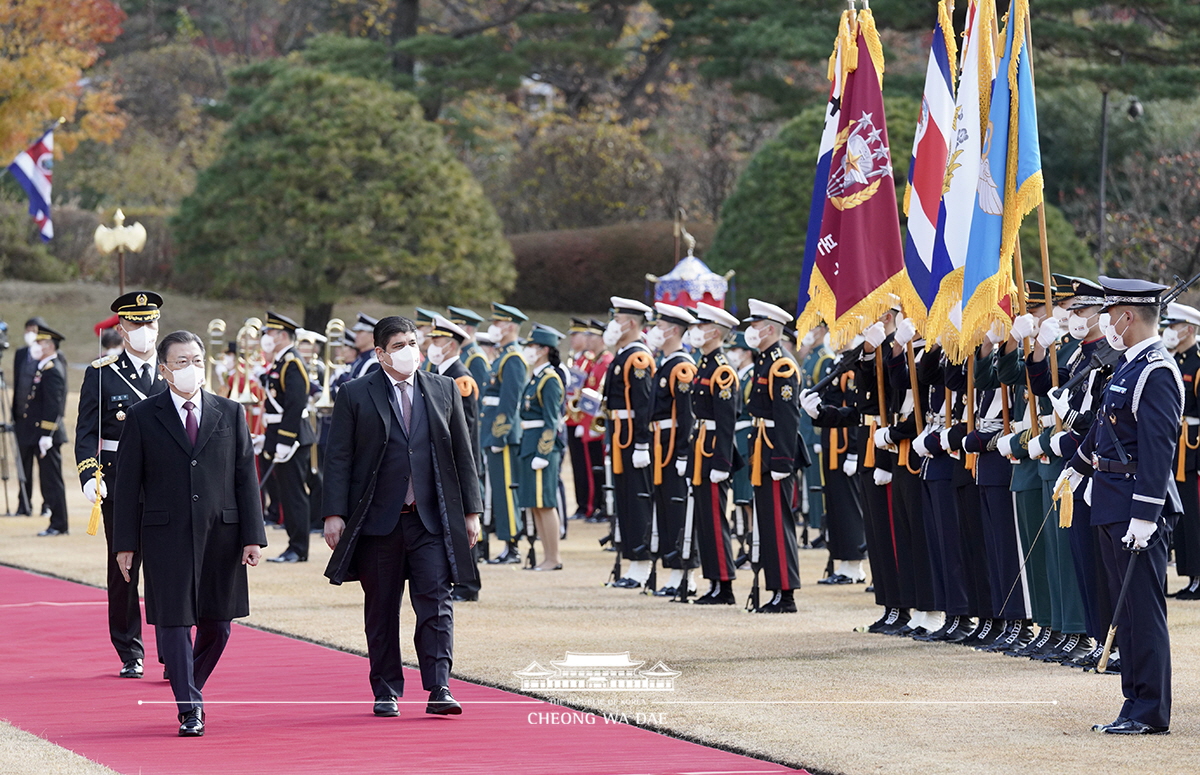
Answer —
(3, 335)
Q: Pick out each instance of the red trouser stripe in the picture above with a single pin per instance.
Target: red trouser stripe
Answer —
(780, 543)
(718, 528)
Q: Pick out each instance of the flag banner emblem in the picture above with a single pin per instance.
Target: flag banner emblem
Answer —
(33, 169)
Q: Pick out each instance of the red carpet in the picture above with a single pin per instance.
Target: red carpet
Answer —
(58, 681)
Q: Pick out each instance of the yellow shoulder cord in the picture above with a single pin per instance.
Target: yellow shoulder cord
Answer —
(784, 369)
(724, 378)
(637, 360)
(682, 372)
(1065, 499)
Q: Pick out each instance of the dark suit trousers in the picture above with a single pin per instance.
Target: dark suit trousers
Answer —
(124, 612)
(25, 494)
(190, 666)
(409, 553)
(290, 479)
(50, 479)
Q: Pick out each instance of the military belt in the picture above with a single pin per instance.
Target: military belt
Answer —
(527, 424)
(1114, 466)
(108, 445)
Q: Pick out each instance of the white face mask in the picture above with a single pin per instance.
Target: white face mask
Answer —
(613, 333)
(1078, 325)
(435, 354)
(36, 351)
(530, 354)
(267, 342)
(808, 339)
(736, 359)
(188, 380)
(30, 338)
(141, 339)
(697, 337)
(494, 333)
(1061, 313)
(656, 338)
(1170, 338)
(420, 337)
(753, 337)
(1116, 340)
(405, 360)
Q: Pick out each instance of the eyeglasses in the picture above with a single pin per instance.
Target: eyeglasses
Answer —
(183, 363)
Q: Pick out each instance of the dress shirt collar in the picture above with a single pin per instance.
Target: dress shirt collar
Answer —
(411, 381)
(197, 400)
(138, 362)
(1137, 349)
(445, 365)
(42, 363)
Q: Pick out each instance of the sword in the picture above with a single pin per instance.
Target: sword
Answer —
(1102, 666)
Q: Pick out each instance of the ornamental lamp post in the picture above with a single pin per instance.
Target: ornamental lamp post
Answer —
(120, 238)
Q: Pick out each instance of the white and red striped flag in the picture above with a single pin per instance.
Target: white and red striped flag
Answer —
(33, 169)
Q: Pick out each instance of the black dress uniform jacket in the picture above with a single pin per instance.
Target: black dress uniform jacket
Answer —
(111, 386)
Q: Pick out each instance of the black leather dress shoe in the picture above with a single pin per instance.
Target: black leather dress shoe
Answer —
(288, 556)
(509, 556)
(463, 595)
(442, 703)
(191, 724)
(131, 669)
(779, 604)
(626, 583)
(1133, 727)
(716, 597)
(386, 706)
(1190, 592)
(1046, 639)
(52, 531)
(1102, 727)
(666, 592)
(1088, 661)
(961, 631)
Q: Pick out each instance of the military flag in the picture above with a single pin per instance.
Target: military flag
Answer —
(33, 170)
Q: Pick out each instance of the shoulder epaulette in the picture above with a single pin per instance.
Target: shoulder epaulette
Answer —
(100, 363)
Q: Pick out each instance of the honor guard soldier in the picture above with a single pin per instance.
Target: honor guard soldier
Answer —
(715, 402)
(500, 428)
(579, 362)
(628, 396)
(1182, 322)
(424, 321)
(671, 535)
(364, 361)
(741, 357)
(469, 352)
(309, 344)
(39, 424)
(1129, 453)
(111, 386)
(446, 340)
(542, 441)
(285, 449)
(775, 411)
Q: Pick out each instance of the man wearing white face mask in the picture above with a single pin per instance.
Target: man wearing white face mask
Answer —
(289, 435)
(111, 387)
(500, 430)
(1179, 336)
(39, 425)
(1129, 453)
(24, 368)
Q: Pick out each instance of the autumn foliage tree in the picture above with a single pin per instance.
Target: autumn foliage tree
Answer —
(45, 47)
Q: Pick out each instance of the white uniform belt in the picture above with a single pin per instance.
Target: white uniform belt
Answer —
(108, 445)
(1192, 420)
(621, 414)
(1046, 420)
(663, 425)
(527, 424)
(1020, 426)
(989, 425)
(491, 400)
(272, 419)
(709, 425)
(762, 421)
(742, 425)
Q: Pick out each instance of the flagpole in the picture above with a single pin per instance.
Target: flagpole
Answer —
(916, 388)
(1026, 345)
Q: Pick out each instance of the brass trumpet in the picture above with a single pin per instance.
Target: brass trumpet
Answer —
(334, 331)
(248, 344)
(216, 340)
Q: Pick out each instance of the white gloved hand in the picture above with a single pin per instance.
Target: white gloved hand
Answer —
(1056, 443)
(579, 431)
(944, 438)
(883, 438)
(875, 334)
(259, 442)
(810, 402)
(919, 444)
(89, 490)
(1035, 447)
(1004, 444)
(817, 448)
(882, 477)
(1139, 533)
(284, 452)
(1087, 492)
(1061, 399)
(538, 463)
(905, 332)
(850, 465)
(1049, 333)
(496, 450)
(641, 458)
(716, 476)
(44, 445)
(1069, 475)
(779, 476)
(1023, 327)
(681, 466)
(994, 337)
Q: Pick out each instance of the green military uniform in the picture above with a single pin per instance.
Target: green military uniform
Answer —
(541, 421)
(500, 431)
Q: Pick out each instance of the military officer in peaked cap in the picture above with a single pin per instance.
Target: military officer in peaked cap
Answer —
(363, 332)
(111, 385)
(775, 409)
(500, 428)
(469, 352)
(1129, 454)
(1179, 336)
(285, 446)
(39, 424)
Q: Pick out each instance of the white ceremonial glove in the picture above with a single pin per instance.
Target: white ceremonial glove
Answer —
(1087, 492)
(1139, 533)
(44, 445)
(496, 450)
(681, 466)
(1061, 399)
(882, 477)
(1056, 443)
(1023, 327)
(850, 465)
(259, 442)
(919, 444)
(539, 463)
(944, 438)
(1004, 444)
(875, 334)
(883, 438)
(1035, 447)
(1049, 333)
(1071, 476)
(817, 448)
(810, 402)
(717, 477)
(89, 490)
(284, 452)
(905, 332)
(579, 431)
(994, 337)
(641, 458)
(779, 476)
